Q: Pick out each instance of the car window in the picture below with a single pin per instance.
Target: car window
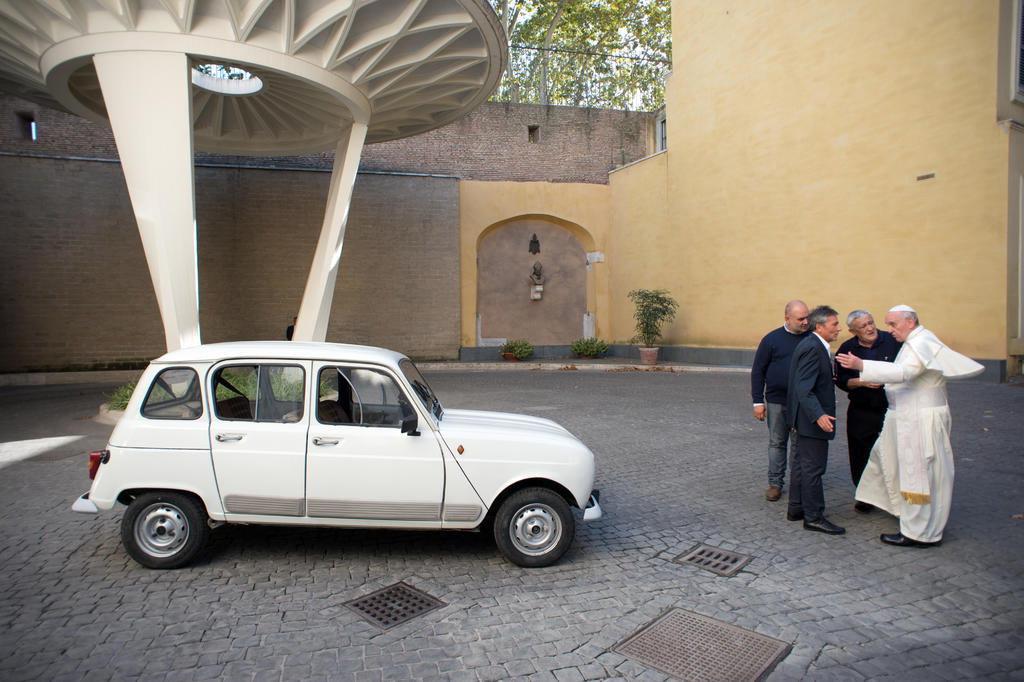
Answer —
(360, 396)
(280, 394)
(174, 394)
(264, 393)
(421, 388)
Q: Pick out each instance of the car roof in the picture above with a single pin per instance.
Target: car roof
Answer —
(288, 350)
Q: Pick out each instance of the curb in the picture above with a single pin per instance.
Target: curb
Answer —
(106, 376)
(571, 366)
(108, 416)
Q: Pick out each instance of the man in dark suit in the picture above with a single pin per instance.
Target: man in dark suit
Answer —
(811, 412)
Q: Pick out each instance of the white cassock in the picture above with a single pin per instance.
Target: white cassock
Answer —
(910, 470)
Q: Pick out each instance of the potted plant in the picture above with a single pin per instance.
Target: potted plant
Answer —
(516, 349)
(654, 307)
(590, 347)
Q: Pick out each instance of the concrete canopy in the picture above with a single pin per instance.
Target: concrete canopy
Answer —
(402, 66)
(315, 74)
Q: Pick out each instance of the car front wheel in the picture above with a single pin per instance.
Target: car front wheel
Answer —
(534, 527)
(164, 529)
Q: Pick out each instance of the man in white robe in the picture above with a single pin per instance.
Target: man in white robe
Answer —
(910, 470)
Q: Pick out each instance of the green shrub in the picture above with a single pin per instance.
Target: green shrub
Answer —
(654, 307)
(590, 347)
(118, 400)
(521, 348)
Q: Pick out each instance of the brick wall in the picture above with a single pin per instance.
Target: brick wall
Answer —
(398, 285)
(59, 133)
(76, 291)
(75, 287)
(492, 143)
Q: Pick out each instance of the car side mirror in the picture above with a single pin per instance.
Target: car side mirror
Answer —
(409, 424)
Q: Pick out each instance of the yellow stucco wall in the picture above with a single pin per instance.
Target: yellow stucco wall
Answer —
(643, 247)
(583, 209)
(1010, 105)
(796, 133)
(1014, 249)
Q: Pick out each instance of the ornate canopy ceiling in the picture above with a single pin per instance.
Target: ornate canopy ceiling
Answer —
(402, 66)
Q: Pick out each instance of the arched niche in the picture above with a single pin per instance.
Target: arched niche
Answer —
(505, 308)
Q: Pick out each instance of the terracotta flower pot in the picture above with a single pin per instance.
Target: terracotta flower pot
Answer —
(648, 356)
(511, 357)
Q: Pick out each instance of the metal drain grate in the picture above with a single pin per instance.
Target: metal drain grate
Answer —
(714, 559)
(694, 647)
(394, 604)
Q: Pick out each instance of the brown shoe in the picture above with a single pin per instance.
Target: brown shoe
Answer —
(773, 493)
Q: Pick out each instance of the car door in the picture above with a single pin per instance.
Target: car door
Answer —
(360, 466)
(258, 435)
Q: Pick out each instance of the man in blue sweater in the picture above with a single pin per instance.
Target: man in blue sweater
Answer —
(769, 379)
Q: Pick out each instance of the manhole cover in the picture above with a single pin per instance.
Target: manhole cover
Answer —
(714, 559)
(694, 647)
(392, 605)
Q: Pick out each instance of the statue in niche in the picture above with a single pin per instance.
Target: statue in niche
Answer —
(537, 282)
(535, 245)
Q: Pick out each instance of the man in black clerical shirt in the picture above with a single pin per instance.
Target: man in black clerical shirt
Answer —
(868, 404)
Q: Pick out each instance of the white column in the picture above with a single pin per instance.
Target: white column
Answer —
(149, 102)
(315, 311)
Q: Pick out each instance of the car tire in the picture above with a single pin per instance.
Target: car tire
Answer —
(534, 527)
(164, 529)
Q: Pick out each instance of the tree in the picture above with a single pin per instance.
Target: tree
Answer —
(599, 53)
(545, 55)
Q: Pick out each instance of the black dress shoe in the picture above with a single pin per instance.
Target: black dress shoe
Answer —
(823, 525)
(901, 540)
(863, 507)
(794, 516)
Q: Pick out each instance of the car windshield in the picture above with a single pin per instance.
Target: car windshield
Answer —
(422, 388)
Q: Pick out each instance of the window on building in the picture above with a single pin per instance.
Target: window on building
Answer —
(28, 126)
(661, 133)
(533, 133)
(1020, 51)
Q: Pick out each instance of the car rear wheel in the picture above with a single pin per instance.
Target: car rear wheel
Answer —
(164, 529)
(534, 527)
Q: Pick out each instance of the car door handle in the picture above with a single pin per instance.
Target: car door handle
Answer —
(317, 440)
(225, 437)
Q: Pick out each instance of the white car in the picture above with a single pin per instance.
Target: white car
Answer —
(323, 434)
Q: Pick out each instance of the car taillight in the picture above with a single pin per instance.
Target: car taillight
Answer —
(95, 459)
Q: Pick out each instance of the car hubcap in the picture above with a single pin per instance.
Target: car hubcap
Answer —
(161, 529)
(535, 529)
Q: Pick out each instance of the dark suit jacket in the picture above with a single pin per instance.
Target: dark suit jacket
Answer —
(811, 391)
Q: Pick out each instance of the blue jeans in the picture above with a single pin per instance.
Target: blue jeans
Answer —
(779, 437)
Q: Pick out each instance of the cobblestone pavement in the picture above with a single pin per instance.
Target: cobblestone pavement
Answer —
(680, 462)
